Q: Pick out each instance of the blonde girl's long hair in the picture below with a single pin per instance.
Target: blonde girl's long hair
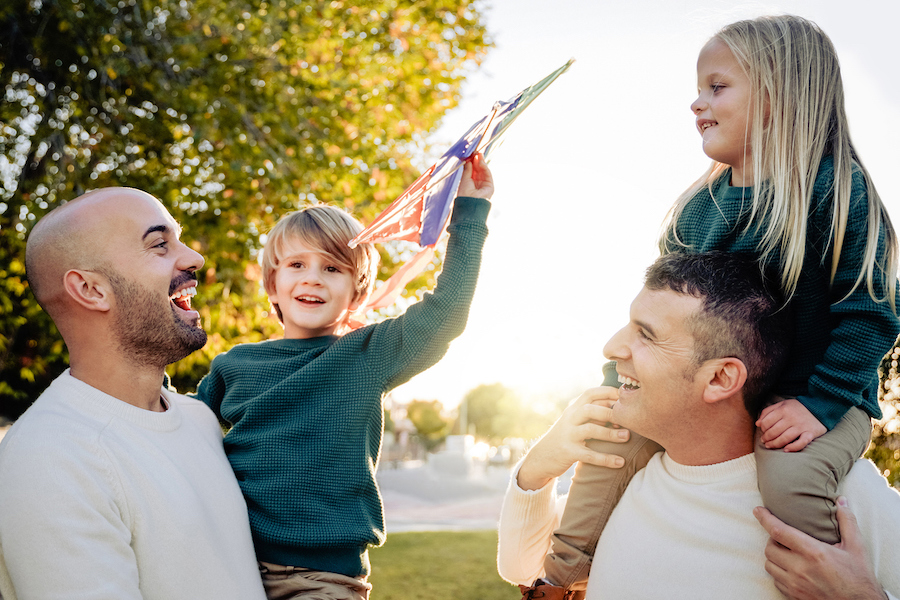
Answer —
(795, 78)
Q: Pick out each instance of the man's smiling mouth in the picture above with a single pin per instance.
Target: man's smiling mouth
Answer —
(182, 298)
(628, 383)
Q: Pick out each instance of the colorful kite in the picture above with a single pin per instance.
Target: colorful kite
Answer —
(421, 212)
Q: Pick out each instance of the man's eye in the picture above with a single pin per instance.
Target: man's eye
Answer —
(163, 245)
(643, 334)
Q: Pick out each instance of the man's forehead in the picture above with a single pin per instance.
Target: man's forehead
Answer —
(139, 212)
(664, 309)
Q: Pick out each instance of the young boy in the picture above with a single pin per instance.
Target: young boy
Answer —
(306, 410)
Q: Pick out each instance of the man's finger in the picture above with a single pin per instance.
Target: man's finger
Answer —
(592, 431)
(601, 459)
(851, 538)
(785, 535)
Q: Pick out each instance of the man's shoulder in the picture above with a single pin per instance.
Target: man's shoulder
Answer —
(865, 475)
(194, 410)
(871, 497)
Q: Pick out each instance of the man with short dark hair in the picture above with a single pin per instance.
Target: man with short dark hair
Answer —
(695, 360)
(111, 486)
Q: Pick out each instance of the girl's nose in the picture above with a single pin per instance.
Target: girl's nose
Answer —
(698, 105)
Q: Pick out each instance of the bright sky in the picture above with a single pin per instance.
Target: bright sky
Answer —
(587, 173)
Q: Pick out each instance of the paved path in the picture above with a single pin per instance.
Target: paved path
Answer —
(422, 498)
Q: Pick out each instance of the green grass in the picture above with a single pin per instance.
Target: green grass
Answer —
(439, 565)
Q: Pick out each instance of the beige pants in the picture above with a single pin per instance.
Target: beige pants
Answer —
(287, 583)
(800, 488)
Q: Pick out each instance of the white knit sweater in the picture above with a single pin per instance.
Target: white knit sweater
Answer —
(689, 532)
(102, 500)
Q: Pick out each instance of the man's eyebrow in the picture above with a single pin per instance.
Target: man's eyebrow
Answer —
(646, 327)
(157, 229)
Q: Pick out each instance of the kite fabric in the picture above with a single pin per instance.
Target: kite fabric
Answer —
(421, 212)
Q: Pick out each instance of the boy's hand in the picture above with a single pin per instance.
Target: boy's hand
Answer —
(788, 424)
(587, 418)
(476, 181)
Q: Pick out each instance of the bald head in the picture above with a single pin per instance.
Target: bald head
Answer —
(76, 235)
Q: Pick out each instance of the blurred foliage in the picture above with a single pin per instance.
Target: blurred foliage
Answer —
(428, 419)
(497, 412)
(232, 113)
(885, 448)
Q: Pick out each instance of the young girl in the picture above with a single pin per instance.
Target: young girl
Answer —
(785, 184)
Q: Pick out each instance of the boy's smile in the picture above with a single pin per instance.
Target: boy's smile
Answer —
(314, 292)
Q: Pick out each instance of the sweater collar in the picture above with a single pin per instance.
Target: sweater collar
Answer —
(103, 406)
(737, 467)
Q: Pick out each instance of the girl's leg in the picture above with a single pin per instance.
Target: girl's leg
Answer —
(800, 488)
(594, 493)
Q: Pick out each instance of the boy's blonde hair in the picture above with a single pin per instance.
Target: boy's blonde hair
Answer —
(796, 117)
(327, 229)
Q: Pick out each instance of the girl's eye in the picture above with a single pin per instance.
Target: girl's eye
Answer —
(332, 269)
(716, 87)
(296, 265)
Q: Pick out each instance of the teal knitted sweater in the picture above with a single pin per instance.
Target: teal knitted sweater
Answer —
(307, 418)
(838, 344)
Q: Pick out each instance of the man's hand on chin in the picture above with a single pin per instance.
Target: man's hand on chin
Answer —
(586, 418)
(806, 569)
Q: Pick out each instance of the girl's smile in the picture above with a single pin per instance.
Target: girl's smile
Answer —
(722, 108)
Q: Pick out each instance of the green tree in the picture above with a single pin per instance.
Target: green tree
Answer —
(232, 113)
(429, 421)
(885, 448)
(497, 412)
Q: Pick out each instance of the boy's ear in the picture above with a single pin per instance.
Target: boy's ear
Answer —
(88, 289)
(725, 377)
(359, 301)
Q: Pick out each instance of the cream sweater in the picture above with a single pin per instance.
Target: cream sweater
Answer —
(102, 500)
(689, 532)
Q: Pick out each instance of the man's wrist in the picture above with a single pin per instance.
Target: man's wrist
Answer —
(528, 480)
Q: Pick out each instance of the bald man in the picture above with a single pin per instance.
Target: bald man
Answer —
(112, 486)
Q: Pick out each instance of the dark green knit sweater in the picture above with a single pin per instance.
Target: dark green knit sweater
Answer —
(307, 415)
(838, 344)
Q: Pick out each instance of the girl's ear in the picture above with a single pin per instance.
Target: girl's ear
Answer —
(88, 289)
(725, 378)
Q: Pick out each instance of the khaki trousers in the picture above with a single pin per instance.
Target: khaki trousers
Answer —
(287, 583)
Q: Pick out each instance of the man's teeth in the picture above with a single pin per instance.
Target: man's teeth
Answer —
(182, 298)
(185, 294)
(629, 383)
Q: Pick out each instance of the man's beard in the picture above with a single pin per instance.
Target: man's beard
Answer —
(148, 332)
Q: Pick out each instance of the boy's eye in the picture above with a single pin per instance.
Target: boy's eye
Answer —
(332, 269)
(296, 265)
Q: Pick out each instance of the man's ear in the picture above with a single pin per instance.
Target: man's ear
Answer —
(725, 378)
(88, 289)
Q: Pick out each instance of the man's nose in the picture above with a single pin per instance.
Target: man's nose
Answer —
(191, 260)
(616, 348)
